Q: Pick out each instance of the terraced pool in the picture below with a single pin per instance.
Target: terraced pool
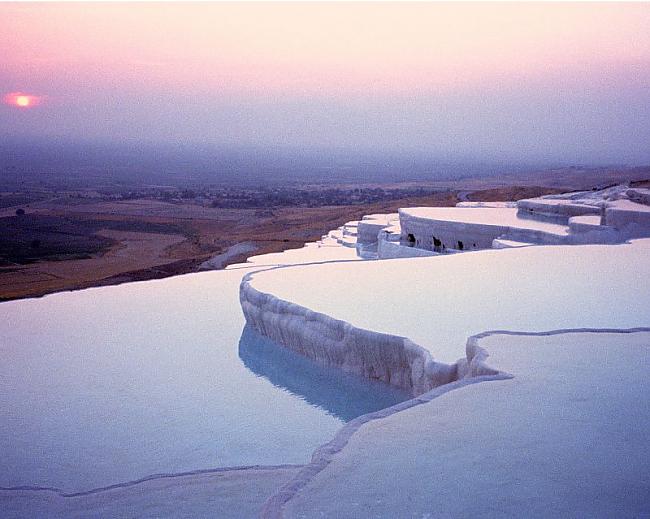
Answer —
(108, 385)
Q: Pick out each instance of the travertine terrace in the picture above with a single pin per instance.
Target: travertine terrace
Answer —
(546, 303)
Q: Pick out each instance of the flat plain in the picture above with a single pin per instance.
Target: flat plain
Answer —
(57, 238)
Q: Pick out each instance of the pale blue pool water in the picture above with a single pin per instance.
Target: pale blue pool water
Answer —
(108, 385)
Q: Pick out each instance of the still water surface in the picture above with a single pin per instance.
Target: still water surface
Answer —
(111, 384)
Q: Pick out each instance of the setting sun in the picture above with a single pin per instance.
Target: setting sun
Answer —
(21, 100)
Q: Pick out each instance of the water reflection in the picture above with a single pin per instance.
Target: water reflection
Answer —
(341, 394)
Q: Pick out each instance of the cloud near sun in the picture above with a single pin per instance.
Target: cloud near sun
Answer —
(22, 100)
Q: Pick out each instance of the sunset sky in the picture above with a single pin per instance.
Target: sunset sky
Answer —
(554, 81)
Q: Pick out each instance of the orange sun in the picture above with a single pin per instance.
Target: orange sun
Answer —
(21, 100)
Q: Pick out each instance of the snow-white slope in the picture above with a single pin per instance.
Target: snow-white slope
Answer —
(565, 437)
(356, 315)
(310, 253)
(226, 494)
(337, 245)
(217, 262)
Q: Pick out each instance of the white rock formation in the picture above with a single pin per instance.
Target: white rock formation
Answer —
(217, 262)
(332, 342)
(499, 205)
(356, 315)
(613, 215)
(368, 228)
(565, 436)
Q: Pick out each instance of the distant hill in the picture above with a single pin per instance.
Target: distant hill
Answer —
(90, 163)
(51, 162)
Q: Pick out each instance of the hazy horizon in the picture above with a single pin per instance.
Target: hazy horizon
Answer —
(552, 83)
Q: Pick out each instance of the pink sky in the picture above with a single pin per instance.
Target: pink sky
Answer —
(207, 54)
(329, 48)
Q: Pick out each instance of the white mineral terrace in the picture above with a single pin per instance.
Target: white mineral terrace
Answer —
(337, 245)
(308, 254)
(355, 315)
(547, 417)
(608, 216)
(486, 216)
(529, 366)
(566, 436)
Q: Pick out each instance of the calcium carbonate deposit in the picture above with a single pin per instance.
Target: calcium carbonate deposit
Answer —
(486, 360)
(545, 417)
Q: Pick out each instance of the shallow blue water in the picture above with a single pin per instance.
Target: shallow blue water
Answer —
(108, 385)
